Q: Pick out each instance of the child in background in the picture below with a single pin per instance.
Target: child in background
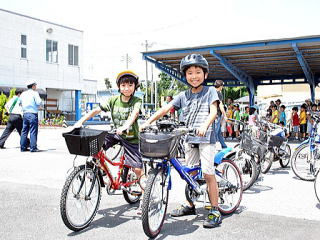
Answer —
(275, 114)
(303, 120)
(252, 117)
(236, 116)
(245, 115)
(285, 130)
(229, 124)
(283, 117)
(295, 122)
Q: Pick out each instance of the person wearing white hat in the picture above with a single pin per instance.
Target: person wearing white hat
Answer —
(31, 102)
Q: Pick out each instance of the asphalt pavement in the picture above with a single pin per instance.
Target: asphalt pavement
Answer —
(278, 206)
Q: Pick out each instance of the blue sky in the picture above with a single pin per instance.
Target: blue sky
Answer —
(114, 28)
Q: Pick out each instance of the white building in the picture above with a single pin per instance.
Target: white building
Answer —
(50, 53)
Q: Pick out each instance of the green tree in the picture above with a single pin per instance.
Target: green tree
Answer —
(234, 92)
(3, 101)
(169, 86)
(107, 83)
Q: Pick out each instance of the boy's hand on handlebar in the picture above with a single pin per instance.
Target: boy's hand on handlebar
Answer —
(77, 125)
(143, 126)
(121, 130)
(201, 131)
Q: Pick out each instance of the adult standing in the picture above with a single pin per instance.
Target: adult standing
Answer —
(13, 107)
(31, 102)
(218, 84)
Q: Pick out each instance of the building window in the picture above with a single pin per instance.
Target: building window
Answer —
(73, 55)
(52, 51)
(23, 42)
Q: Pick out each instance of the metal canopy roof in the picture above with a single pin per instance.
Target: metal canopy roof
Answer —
(280, 61)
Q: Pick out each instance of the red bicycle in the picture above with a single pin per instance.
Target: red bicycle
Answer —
(81, 194)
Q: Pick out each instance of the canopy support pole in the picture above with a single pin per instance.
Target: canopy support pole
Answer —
(306, 69)
(237, 73)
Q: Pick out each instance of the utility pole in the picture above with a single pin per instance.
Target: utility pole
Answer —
(126, 59)
(148, 45)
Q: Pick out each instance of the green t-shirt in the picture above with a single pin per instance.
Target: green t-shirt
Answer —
(236, 115)
(120, 112)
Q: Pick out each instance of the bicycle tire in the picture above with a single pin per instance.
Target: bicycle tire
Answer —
(155, 203)
(114, 152)
(248, 170)
(230, 187)
(284, 162)
(135, 189)
(317, 185)
(301, 167)
(267, 161)
(72, 196)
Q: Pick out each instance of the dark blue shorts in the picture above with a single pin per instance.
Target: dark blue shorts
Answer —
(132, 154)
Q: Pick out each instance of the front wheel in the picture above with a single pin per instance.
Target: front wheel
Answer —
(303, 164)
(285, 155)
(266, 162)
(155, 202)
(230, 186)
(80, 198)
(317, 186)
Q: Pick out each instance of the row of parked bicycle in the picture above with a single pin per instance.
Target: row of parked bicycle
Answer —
(162, 149)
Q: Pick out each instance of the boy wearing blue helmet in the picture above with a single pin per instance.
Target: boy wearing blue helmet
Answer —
(199, 104)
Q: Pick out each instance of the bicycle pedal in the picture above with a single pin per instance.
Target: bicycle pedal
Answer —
(207, 207)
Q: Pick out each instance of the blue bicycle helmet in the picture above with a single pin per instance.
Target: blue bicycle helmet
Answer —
(193, 60)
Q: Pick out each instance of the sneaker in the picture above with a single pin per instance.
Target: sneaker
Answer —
(213, 219)
(183, 211)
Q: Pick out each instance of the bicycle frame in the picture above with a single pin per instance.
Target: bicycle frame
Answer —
(116, 182)
(185, 171)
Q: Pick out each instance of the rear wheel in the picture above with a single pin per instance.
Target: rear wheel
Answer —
(155, 202)
(317, 186)
(80, 198)
(247, 167)
(230, 186)
(285, 156)
(133, 192)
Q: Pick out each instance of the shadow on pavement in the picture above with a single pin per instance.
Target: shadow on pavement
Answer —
(256, 188)
(111, 218)
(279, 170)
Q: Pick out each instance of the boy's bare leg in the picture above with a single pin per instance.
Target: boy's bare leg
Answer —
(212, 189)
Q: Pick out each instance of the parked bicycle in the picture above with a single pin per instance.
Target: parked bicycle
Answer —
(305, 160)
(81, 193)
(277, 143)
(249, 155)
(159, 148)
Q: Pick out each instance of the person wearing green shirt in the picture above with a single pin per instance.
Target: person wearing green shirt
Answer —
(124, 110)
(236, 116)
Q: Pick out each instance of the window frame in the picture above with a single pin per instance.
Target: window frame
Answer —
(50, 57)
(23, 46)
(73, 59)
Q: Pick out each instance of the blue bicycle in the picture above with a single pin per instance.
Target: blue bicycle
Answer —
(305, 160)
(158, 147)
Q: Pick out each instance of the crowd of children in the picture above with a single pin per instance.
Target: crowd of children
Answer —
(298, 123)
